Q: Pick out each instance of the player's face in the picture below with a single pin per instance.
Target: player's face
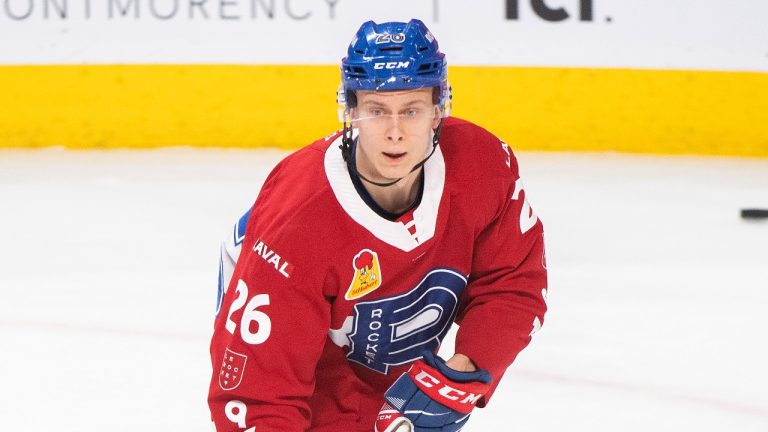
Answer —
(395, 130)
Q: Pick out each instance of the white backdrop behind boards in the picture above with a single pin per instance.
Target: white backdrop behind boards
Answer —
(665, 34)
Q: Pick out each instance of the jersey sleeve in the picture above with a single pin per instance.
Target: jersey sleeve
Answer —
(504, 303)
(228, 255)
(269, 332)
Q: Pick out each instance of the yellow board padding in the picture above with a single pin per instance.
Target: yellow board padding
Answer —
(629, 110)
(572, 109)
(141, 106)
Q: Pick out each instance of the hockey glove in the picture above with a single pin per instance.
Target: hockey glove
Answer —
(431, 397)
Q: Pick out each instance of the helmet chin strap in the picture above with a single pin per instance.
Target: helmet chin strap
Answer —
(346, 153)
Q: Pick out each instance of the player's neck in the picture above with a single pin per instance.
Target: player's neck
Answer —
(400, 196)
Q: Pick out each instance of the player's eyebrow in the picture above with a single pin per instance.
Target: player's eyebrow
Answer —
(370, 103)
(415, 102)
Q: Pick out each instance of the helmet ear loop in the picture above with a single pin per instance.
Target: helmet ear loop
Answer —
(344, 116)
(341, 103)
(346, 141)
(446, 102)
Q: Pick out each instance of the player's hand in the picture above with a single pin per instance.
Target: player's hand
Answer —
(431, 397)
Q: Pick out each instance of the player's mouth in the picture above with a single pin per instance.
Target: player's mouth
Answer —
(394, 157)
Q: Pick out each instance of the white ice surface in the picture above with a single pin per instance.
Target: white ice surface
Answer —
(658, 294)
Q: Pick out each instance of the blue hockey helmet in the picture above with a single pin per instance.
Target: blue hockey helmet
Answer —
(394, 56)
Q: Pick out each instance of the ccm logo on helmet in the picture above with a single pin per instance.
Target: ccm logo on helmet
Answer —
(391, 65)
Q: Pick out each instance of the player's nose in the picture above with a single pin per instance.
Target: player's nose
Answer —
(395, 130)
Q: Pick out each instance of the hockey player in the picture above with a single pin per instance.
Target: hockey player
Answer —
(361, 250)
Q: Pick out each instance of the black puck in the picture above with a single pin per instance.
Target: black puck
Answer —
(753, 213)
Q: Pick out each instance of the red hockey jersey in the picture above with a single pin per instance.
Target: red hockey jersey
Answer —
(323, 303)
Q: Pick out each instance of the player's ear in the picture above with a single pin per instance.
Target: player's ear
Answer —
(437, 117)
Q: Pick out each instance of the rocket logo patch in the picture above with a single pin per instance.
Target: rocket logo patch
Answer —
(367, 274)
(232, 369)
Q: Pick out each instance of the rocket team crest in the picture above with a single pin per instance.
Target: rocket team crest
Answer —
(367, 274)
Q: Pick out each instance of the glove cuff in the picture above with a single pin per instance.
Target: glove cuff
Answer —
(458, 396)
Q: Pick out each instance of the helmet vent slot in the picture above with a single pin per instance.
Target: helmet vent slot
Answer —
(355, 72)
(428, 68)
(392, 48)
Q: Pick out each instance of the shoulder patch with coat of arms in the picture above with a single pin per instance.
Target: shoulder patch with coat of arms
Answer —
(232, 370)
